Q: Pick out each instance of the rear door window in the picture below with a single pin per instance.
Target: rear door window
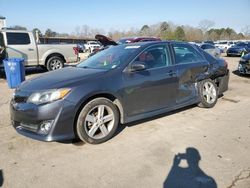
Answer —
(18, 38)
(185, 54)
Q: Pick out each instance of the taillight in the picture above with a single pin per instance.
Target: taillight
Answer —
(76, 50)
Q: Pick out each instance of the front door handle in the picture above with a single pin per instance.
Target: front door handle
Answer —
(31, 49)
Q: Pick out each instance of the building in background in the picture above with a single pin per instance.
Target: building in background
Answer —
(2, 22)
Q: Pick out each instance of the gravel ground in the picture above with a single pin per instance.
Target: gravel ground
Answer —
(215, 143)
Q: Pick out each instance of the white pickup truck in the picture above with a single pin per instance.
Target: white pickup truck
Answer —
(22, 44)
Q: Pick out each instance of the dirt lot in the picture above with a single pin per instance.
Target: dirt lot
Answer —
(142, 153)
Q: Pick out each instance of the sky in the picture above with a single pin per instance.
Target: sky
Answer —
(64, 16)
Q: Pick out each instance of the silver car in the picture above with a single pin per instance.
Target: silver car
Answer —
(211, 49)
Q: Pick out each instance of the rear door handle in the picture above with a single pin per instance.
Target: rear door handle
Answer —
(171, 73)
(31, 49)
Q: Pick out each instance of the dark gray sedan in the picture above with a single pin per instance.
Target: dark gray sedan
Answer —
(118, 85)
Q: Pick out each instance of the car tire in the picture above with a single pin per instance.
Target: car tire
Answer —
(208, 93)
(97, 121)
(54, 63)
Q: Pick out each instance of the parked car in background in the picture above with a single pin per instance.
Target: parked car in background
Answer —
(239, 49)
(208, 42)
(81, 48)
(244, 64)
(107, 42)
(224, 45)
(137, 39)
(211, 49)
(91, 46)
(21, 44)
(121, 84)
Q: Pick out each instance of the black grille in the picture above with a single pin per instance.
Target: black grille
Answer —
(20, 99)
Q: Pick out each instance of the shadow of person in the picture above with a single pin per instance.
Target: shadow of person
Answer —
(1, 178)
(188, 177)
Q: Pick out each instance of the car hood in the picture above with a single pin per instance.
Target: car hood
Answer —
(105, 41)
(60, 78)
(246, 57)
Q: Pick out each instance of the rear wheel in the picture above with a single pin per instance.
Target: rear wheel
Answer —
(97, 121)
(208, 93)
(55, 63)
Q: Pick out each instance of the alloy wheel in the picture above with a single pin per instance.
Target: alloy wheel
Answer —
(209, 92)
(99, 121)
(55, 64)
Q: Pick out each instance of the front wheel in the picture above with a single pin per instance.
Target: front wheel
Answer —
(97, 121)
(208, 93)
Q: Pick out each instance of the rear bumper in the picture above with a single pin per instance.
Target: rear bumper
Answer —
(223, 83)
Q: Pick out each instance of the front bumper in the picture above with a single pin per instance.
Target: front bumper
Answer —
(234, 53)
(244, 67)
(28, 118)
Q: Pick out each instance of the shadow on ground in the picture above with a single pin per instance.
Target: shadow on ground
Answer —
(1, 178)
(190, 176)
(237, 73)
(78, 142)
(122, 127)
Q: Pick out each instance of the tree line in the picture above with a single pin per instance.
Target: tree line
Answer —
(164, 30)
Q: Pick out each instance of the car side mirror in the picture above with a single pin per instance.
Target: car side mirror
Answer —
(137, 66)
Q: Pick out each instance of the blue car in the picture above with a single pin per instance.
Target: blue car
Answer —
(244, 64)
(238, 49)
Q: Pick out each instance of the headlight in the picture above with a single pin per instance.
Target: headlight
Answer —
(48, 96)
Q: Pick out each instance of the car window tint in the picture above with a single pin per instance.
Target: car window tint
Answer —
(206, 46)
(1, 40)
(209, 46)
(185, 53)
(154, 57)
(18, 38)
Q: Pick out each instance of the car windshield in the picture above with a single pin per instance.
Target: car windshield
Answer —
(109, 58)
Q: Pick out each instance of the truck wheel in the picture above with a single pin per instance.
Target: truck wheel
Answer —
(97, 121)
(208, 93)
(54, 63)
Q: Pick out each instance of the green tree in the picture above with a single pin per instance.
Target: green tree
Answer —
(179, 33)
(164, 27)
(50, 33)
(18, 27)
(145, 30)
(165, 31)
(37, 30)
(240, 36)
